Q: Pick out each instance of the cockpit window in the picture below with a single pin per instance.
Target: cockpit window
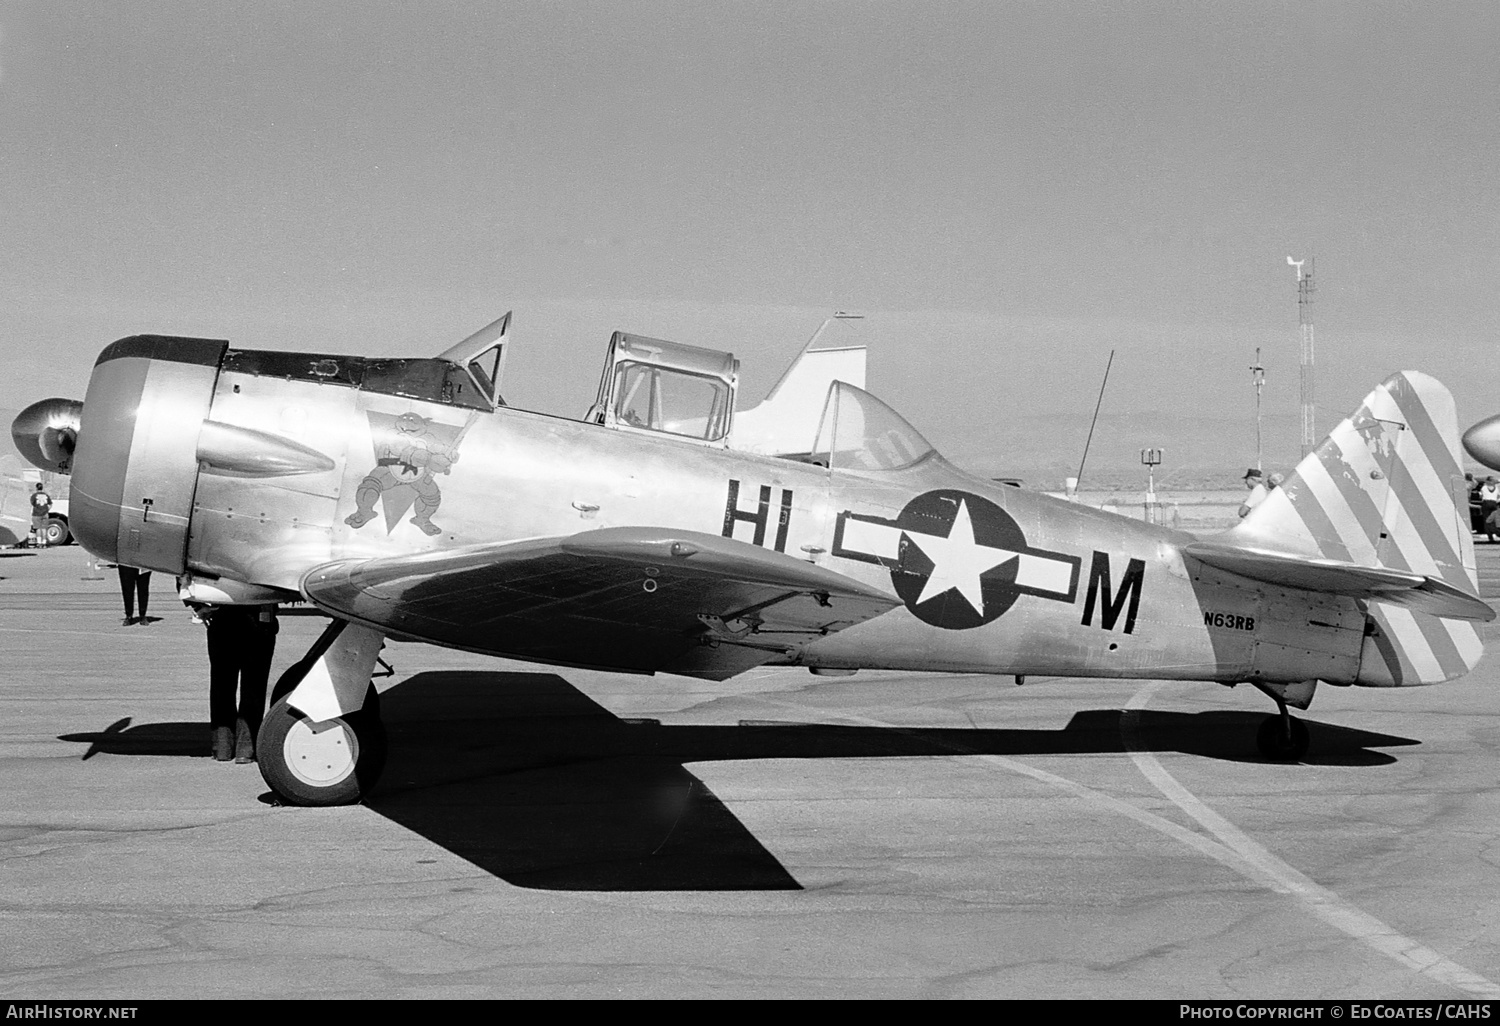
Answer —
(662, 399)
(486, 370)
(859, 432)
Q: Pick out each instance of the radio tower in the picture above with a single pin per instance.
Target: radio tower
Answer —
(1305, 319)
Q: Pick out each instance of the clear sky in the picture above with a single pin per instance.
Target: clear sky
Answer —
(1008, 190)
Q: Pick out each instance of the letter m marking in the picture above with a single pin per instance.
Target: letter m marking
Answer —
(1111, 604)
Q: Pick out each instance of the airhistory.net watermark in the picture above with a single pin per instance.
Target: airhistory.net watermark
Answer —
(68, 1010)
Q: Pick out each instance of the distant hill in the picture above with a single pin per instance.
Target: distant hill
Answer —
(1044, 449)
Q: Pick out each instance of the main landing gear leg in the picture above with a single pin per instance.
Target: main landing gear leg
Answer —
(322, 742)
(1283, 737)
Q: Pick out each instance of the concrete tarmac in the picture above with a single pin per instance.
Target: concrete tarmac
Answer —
(559, 833)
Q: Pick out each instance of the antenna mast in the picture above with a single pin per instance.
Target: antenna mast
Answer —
(1100, 402)
(1305, 319)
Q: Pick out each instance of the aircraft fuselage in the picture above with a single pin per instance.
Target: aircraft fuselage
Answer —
(220, 467)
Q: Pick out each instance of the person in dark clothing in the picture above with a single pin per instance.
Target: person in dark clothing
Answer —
(241, 642)
(41, 509)
(135, 589)
(1489, 502)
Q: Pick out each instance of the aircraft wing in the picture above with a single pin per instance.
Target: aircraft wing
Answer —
(628, 598)
(1415, 591)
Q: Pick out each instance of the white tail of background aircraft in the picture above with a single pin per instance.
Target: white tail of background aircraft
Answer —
(786, 421)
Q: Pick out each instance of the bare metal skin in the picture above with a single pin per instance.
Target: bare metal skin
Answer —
(405, 500)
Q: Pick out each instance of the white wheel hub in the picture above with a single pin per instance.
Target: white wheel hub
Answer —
(321, 755)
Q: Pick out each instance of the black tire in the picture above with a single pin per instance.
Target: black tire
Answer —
(55, 532)
(335, 762)
(1275, 745)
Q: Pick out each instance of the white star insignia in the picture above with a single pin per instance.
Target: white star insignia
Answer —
(958, 561)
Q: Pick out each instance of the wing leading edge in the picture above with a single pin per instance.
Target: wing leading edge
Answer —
(632, 598)
(1418, 592)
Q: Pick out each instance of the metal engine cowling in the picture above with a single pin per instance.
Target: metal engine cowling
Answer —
(135, 464)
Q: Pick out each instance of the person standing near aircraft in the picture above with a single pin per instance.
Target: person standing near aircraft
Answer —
(1489, 501)
(241, 642)
(41, 509)
(135, 589)
(1257, 491)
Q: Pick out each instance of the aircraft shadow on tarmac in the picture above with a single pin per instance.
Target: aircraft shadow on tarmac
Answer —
(531, 780)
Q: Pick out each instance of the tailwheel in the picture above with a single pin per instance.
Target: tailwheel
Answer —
(1282, 738)
(332, 762)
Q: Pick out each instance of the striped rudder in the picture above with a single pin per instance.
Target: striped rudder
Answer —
(1386, 488)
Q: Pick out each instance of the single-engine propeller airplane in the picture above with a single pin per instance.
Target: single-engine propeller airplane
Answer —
(666, 533)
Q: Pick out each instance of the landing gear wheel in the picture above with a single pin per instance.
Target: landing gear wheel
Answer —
(1274, 743)
(54, 532)
(334, 762)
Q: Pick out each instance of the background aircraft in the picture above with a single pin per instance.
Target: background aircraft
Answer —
(1483, 441)
(406, 501)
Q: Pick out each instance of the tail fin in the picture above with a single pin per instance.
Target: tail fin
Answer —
(786, 421)
(1386, 489)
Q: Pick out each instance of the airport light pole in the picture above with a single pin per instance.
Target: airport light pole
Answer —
(1305, 319)
(1258, 376)
(1151, 459)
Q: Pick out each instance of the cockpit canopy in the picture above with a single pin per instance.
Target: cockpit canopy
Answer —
(666, 387)
(859, 432)
(651, 385)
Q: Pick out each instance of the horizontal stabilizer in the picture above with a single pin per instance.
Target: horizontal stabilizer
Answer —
(1414, 591)
(626, 598)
